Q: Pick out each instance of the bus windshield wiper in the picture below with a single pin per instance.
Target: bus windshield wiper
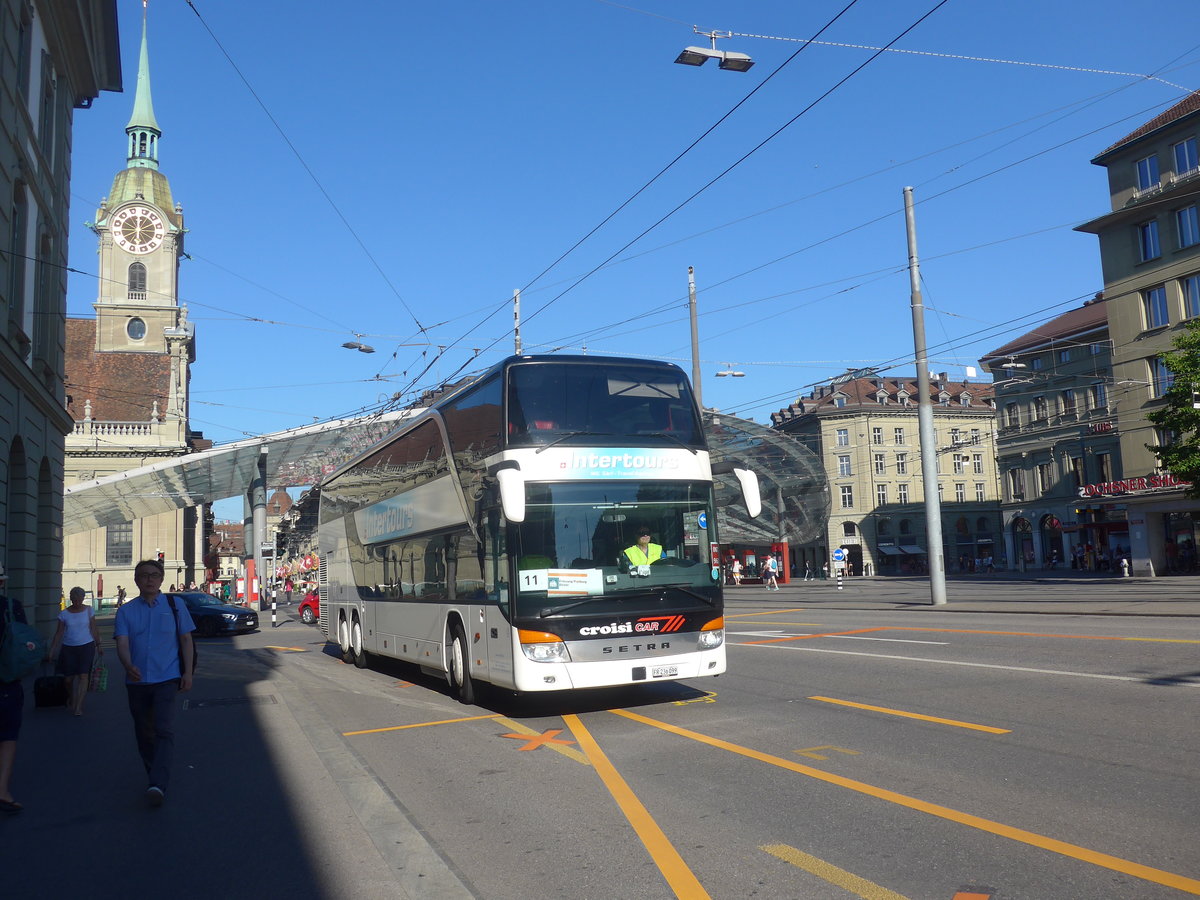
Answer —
(694, 594)
(555, 610)
(669, 437)
(572, 434)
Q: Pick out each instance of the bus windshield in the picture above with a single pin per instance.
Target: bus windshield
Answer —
(582, 539)
(551, 402)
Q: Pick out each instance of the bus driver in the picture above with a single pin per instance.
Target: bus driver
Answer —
(644, 551)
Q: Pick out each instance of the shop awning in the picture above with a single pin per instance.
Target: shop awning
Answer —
(914, 550)
(890, 551)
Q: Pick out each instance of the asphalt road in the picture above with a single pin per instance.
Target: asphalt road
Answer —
(848, 752)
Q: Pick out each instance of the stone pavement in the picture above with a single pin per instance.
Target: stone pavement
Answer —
(267, 800)
(1057, 593)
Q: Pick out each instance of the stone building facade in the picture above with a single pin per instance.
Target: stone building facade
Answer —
(56, 56)
(864, 428)
(1150, 257)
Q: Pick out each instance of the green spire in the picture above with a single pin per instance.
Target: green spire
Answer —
(143, 128)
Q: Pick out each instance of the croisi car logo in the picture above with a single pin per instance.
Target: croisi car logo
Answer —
(646, 625)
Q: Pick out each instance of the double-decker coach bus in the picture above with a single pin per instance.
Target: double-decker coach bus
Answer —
(497, 536)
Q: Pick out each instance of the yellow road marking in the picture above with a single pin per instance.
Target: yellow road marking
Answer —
(709, 697)
(912, 715)
(416, 725)
(1073, 851)
(288, 649)
(568, 752)
(548, 738)
(847, 881)
(769, 612)
(811, 753)
(679, 877)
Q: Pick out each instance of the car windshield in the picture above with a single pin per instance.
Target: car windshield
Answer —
(582, 539)
(197, 599)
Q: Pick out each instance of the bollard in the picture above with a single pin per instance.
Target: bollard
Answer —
(273, 623)
(839, 578)
(1124, 568)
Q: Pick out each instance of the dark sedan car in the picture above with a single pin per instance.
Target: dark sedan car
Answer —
(213, 616)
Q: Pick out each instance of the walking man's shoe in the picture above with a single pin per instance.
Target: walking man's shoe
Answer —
(155, 795)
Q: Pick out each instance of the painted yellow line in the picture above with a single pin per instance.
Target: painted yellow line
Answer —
(679, 877)
(769, 612)
(912, 715)
(416, 725)
(847, 881)
(288, 649)
(562, 749)
(1073, 851)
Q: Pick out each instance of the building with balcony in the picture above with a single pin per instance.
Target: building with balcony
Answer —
(56, 56)
(1150, 257)
(864, 428)
(1057, 434)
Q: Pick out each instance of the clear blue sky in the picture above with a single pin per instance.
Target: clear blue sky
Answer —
(470, 144)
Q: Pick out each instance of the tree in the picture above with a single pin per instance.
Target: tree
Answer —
(1180, 417)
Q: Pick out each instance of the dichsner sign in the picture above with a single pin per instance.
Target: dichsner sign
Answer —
(1145, 485)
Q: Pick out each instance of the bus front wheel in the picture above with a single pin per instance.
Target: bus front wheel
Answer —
(460, 666)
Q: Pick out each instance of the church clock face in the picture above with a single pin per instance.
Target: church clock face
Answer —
(138, 229)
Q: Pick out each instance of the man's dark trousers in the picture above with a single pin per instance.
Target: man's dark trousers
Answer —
(153, 710)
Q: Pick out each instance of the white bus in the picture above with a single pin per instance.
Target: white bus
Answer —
(486, 537)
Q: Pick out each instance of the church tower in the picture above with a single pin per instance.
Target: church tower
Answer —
(128, 369)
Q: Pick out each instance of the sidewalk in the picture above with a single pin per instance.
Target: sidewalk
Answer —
(265, 800)
(1040, 593)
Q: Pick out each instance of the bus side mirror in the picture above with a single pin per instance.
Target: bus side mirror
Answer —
(512, 493)
(750, 493)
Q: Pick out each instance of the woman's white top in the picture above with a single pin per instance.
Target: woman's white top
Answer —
(79, 626)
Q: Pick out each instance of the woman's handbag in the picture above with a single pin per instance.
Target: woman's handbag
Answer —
(98, 678)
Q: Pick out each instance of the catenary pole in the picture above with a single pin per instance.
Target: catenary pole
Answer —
(695, 337)
(517, 321)
(928, 437)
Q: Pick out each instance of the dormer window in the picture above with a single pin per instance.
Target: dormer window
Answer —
(1147, 172)
(944, 398)
(881, 398)
(964, 398)
(839, 400)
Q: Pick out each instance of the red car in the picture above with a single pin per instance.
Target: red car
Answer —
(310, 608)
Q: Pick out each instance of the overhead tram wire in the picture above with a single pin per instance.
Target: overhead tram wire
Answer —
(686, 150)
(312, 175)
(504, 305)
(727, 170)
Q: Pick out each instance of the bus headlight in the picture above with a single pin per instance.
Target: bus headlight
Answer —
(712, 635)
(542, 646)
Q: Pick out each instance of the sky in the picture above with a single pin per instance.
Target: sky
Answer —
(390, 173)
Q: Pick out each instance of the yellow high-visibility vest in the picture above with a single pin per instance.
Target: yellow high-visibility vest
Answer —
(638, 558)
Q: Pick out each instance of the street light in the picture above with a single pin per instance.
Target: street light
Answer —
(730, 372)
(361, 348)
(726, 59)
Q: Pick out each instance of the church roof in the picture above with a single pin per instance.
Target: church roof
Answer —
(149, 185)
(121, 386)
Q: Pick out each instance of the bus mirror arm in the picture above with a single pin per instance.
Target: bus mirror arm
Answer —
(511, 481)
(750, 491)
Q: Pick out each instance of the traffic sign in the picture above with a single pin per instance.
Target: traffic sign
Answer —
(839, 555)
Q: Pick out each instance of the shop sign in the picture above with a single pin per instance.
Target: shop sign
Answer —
(1099, 427)
(1148, 484)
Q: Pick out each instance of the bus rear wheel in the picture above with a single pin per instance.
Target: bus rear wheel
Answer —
(344, 641)
(356, 645)
(460, 666)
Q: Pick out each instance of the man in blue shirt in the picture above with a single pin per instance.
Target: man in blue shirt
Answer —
(154, 645)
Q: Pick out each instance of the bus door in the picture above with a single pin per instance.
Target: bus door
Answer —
(496, 627)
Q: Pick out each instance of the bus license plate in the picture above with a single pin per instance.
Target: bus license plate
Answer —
(663, 671)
